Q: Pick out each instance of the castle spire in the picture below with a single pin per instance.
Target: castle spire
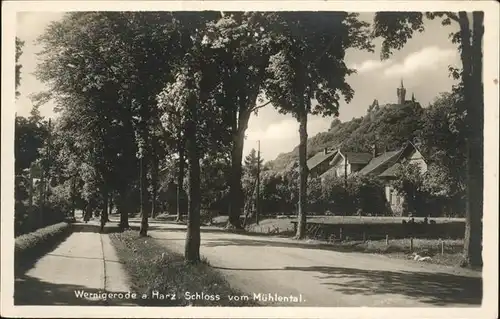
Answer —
(401, 92)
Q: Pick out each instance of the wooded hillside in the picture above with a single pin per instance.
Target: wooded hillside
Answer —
(387, 126)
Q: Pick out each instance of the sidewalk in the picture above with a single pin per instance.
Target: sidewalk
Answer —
(85, 262)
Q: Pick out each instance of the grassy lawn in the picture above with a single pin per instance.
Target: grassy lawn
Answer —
(157, 272)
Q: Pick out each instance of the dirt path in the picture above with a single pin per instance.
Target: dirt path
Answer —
(85, 262)
(255, 264)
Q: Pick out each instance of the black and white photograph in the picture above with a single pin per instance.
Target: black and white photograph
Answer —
(250, 159)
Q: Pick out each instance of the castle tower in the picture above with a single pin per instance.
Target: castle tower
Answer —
(401, 91)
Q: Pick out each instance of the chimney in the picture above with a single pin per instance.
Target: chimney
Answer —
(374, 150)
(326, 150)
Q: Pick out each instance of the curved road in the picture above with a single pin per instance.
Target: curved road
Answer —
(270, 265)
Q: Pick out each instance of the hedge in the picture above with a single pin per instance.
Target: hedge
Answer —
(375, 231)
(29, 247)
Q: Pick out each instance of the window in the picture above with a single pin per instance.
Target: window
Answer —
(394, 197)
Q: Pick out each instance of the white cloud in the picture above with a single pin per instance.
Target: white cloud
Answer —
(288, 128)
(30, 25)
(370, 65)
(282, 136)
(425, 59)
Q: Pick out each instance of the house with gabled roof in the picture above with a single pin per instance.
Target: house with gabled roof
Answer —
(346, 163)
(381, 165)
(320, 162)
(386, 165)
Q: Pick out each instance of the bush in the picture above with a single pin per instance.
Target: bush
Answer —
(30, 219)
(31, 246)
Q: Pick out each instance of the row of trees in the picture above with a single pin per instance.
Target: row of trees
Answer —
(135, 88)
(128, 82)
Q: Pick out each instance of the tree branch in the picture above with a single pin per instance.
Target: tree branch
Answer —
(259, 106)
(453, 16)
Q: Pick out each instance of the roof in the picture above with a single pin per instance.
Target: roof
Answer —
(391, 171)
(358, 158)
(378, 161)
(319, 158)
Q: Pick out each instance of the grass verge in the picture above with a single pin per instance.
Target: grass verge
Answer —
(449, 254)
(29, 247)
(155, 272)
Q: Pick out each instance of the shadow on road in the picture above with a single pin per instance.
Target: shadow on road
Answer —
(438, 289)
(30, 291)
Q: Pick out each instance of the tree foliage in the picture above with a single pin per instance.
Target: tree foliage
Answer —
(19, 52)
(396, 29)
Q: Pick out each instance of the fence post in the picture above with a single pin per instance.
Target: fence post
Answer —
(364, 237)
(340, 234)
(411, 244)
(442, 247)
(387, 240)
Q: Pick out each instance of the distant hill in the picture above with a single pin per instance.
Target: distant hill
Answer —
(388, 127)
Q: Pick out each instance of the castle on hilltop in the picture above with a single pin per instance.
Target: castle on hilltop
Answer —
(401, 92)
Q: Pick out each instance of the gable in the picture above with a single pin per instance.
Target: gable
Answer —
(337, 159)
(409, 155)
(320, 158)
(380, 163)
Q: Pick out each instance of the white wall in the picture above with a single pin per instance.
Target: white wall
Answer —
(340, 169)
(417, 158)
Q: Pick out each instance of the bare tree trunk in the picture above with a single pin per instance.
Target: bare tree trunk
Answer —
(154, 184)
(240, 125)
(471, 56)
(236, 189)
(301, 227)
(121, 209)
(111, 205)
(105, 206)
(144, 197)
(192, 248)
(42, 200)
(73, 195)
(180, 178)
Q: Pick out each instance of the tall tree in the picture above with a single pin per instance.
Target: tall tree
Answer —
(396, 29)
(19, 52)
(309, 64)
(122, 60)
(191, 92)
(251, 162)
(240, 42)
(442, 140)
(173, 122)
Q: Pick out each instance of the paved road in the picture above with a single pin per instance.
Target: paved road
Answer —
(255, 264)
(85, 261)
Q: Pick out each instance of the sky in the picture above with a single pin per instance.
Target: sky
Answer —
(422, 64)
